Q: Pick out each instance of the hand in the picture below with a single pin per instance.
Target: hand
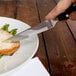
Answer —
(60, 7)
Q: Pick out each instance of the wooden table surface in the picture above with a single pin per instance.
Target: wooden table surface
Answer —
(57, 47)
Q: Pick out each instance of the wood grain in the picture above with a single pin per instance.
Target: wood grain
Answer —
(60, 45)
(7, 8)
(61, 50)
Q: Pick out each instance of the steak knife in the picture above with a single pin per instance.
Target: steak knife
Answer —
(43, 26)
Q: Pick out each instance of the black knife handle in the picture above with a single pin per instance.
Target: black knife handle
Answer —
(65, 15)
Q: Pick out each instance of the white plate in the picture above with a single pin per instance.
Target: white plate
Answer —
(28, 47)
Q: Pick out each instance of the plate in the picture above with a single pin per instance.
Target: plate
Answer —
(28, 47)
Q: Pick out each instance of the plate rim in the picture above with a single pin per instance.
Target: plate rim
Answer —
(25, 62)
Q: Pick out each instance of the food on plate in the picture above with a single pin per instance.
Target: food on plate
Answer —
(7, 47)
(6, 28)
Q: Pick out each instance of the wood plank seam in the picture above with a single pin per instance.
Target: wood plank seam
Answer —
(15, 12)
(47, 55)
(70, 31)
(44, 41)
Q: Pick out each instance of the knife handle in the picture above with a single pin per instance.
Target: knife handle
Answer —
(65, 15)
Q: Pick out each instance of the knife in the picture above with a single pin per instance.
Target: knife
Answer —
(43, 26)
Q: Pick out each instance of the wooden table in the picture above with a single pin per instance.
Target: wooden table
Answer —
(57, 48)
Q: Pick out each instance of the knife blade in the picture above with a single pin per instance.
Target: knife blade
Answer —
(43, 26)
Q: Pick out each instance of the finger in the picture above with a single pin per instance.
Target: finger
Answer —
(61, 7)
(52, 14)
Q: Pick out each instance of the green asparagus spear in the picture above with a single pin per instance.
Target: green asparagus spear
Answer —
(1, 56)
(13, 31)
(5, 27)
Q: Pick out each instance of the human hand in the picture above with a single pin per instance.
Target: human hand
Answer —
(60, 8)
